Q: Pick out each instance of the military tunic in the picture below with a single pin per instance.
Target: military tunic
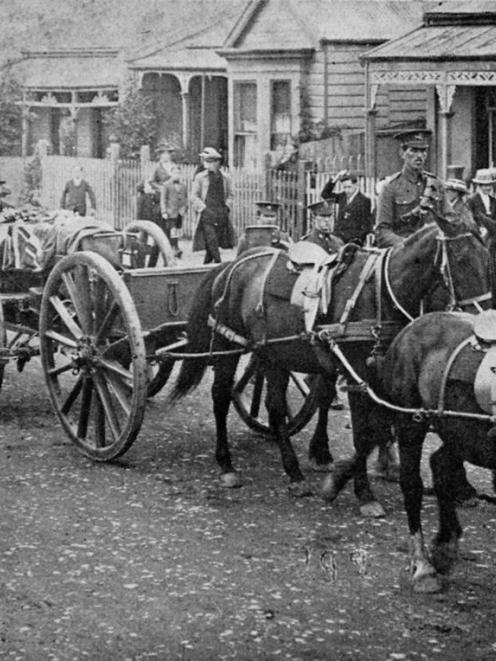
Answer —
(328, 242)
(397, 212)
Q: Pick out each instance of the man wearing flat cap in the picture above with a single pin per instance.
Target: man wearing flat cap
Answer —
(211, 198)
(409, 197)
(354, 216)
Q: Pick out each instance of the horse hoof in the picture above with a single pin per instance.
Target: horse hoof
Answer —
(330, 489)
(427, 584)
(299, 489)
(320, 468)
(468, 502)
(444, 556)
(230, 480)
(390, 473)
(372, 510)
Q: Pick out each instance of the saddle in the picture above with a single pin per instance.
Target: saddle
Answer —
(485, 378)
(312, 289)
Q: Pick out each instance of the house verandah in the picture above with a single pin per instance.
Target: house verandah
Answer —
(453, 54)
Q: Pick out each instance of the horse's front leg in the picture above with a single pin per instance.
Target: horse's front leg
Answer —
(444, 464)
(319, 455)
(224, 371)
(277, 383)
(410, 440)
(370, 424)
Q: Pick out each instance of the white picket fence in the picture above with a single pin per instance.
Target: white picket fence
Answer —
(115, 184)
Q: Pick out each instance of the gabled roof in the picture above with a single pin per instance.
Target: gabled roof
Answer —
(283, 24)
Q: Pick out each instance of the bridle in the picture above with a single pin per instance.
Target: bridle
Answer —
(442, 259)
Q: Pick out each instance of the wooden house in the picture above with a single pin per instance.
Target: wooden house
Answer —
(453, 55)
(296, 62)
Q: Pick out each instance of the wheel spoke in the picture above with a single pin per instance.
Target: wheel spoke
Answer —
(99, 421)
(72, 396)
(121, 391)
(65, 316)
(84, 413)
(78, 288)
(247, 375)
(106, 401)
(116, 368)
(300, 383)
(55, 371)
(61, 339)
(107, 322)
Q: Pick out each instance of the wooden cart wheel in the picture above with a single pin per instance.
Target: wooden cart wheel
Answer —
(146, 245)
(93, 355)
(248, 397)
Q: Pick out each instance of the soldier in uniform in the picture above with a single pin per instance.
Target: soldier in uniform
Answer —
(323, 216)
(265, 231)
(408, 198)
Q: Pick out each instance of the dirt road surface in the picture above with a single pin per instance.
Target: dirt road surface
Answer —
(149, 558)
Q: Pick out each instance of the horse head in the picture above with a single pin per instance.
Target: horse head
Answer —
(444, 265)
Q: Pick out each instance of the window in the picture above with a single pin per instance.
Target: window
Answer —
(245, 124)
(280, 121)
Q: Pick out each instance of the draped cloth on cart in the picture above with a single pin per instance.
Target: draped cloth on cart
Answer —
(34, 245)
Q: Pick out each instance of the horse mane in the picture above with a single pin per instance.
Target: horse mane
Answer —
(425, 229)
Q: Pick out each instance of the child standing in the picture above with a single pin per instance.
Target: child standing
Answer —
(173, 203)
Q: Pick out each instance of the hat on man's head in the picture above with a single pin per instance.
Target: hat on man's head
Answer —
(457, 185)
(163, 147)
(323, 207)
(268, 208)
(211, 153)
(484, 176)
(3, 180)
(418, 138)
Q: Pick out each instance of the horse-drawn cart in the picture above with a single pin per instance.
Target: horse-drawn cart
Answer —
(105, 334)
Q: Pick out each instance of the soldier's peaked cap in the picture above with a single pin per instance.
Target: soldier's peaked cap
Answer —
(322, 208)
(268, 207)
(414, 138)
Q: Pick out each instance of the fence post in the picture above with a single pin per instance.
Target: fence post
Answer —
(301, 199)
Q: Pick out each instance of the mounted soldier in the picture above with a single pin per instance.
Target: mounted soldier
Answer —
(409, 197)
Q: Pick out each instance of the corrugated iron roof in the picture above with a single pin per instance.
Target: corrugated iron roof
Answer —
(70, 72)
(440, 42)
(181, 59)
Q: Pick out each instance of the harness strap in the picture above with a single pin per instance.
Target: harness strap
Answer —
(447, 369)
(389, 288)
(227, 332)
(364, 276)
(475, 300)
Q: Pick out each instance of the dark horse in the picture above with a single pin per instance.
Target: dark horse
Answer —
(239, 297)
(432, 365)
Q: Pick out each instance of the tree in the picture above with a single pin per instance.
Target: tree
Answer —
(11, 114)
(133, 123)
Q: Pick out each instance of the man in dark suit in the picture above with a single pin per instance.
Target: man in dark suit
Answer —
(354, 217)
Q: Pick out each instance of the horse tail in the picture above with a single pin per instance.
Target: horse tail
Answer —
(199, 336)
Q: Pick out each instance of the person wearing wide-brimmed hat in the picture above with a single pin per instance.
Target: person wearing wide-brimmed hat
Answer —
(211, 198)
(407, 199)
(482, 204)
(455, 208)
